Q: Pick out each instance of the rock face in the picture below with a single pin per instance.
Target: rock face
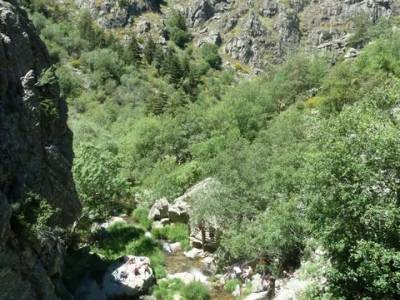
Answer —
(35, 157)
(256, 33)
(130, 276)
(89, 290)
(113, 14)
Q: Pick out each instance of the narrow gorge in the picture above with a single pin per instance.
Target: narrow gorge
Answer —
(199, 149)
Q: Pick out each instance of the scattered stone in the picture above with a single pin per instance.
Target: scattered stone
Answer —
(161, 223)
(291, 288)
(166, 247)
(175, 247)
(187, 277)
(257, 296)
(194, 253)
(257, 283)
(237, 270)
(351, 53)
(130, 276)
(209, 265)
(236, 292)
(112, 221)
(269, 8)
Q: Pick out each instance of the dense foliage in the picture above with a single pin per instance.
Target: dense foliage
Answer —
(309, 150)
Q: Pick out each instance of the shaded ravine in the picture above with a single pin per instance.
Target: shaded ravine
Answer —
(178, 263)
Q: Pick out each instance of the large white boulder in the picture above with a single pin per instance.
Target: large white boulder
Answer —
(129, 276)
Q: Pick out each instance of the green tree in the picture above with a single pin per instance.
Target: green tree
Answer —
(353, 195)
(100, 186)
(133, 52)
(171, 67)
(177, 29)
(210, 54)
(149, 50)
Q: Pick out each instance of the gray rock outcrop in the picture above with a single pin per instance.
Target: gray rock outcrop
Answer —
(115, 14)
(35, 159)
(255, 33)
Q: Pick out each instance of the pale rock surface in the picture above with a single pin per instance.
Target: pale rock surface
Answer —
(194, 253)
(130, 276)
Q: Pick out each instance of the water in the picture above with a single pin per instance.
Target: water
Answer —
(177, 263)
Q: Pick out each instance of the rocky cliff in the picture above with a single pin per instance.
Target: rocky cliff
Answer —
(253, 32)
(35, 163)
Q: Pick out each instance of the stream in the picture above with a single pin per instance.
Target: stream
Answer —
(178, 262)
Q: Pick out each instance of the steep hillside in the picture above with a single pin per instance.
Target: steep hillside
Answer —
(36, 186)
(257, 33)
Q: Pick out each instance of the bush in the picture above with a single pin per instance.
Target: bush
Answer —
(103, 65)
(174, 233)
(100, 186)
(123, 239)
(195, 291)
(167, 289)
(230, 285)
(210, 54)
(34, 216)
(353, 203)
(177, 29)
(70, 83)
(140, 215)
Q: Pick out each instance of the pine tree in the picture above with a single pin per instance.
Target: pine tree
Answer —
(133, 52)
(149, 50)
(157, 103)
(172, 68)
(177, 29)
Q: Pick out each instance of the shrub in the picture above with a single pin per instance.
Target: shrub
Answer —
(175, 233)
(100, 186)
(353, 202)
(230, 285)
(140, 215)
(195, 291)
(123, 239)
(103, 65)
(210, 54)
(168, 289)
(177, 30)
(33, 216)
(70, 83)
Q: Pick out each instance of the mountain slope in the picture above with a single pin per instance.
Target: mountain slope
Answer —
(256, 33)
